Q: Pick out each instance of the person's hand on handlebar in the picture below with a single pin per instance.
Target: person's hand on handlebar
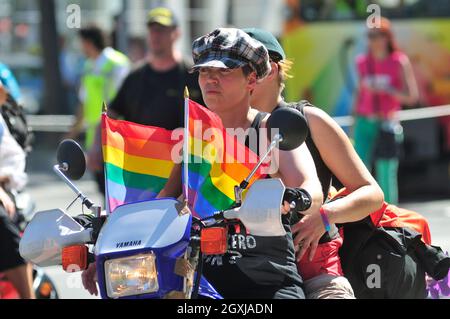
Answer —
(296, 200)
(308, 232)
(89, 278)
(307, 229)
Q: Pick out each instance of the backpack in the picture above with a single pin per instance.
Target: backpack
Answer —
(14, 116)
(387, 254)
(381, 263)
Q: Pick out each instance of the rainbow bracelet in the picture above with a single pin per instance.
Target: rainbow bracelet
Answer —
(325, 220)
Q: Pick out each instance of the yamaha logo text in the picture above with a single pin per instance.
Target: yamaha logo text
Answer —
(128, 244)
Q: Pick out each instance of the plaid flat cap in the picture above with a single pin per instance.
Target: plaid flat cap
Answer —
(230, 48)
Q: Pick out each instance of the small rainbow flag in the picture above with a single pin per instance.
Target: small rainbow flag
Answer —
(137, 160)
(217, 162)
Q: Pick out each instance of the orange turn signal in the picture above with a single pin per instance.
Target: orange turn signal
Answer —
(213, 241)
(74, 258)
(45, 289)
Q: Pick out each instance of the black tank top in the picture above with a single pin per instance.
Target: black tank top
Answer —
(323, 172)
(254, 266)
(256, 124)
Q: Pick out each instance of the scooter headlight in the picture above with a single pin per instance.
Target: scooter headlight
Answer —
(130, 276)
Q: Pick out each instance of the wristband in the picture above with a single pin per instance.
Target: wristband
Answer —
(325, 220)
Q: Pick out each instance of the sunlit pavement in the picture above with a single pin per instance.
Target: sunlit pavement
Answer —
(438, 215)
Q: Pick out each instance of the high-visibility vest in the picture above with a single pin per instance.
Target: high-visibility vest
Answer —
(99, 88)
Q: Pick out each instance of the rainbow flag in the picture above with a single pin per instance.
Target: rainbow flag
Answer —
(137, 160)
(217, 162)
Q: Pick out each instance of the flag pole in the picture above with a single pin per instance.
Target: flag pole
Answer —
(186, 144)
(107, 207)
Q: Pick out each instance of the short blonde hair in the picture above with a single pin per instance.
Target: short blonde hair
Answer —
(284, 66)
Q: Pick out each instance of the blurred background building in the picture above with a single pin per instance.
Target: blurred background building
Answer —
(322, 37)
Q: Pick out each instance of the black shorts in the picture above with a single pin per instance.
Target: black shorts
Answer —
(9, 243)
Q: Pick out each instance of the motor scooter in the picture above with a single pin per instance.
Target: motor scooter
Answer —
(155, 248)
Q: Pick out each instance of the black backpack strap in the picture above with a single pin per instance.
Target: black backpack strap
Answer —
(256, 124)
(300, 106)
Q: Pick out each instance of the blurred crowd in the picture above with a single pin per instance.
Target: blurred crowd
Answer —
(146, 87)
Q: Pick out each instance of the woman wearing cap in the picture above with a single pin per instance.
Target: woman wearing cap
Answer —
(386, 81)
(333, 154)
(230, 63)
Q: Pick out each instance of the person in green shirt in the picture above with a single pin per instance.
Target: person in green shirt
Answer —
(103, 73)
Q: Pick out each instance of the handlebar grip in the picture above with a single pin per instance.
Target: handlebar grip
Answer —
(88, 203)
(231, 214)
(90, 258)
(299, 199)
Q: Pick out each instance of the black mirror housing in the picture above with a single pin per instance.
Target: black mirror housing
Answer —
(71, 154)
(291, 125)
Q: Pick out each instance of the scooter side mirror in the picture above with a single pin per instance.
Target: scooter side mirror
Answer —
(70, 155)
(261, 210)
(47, 234)
(291, 125)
